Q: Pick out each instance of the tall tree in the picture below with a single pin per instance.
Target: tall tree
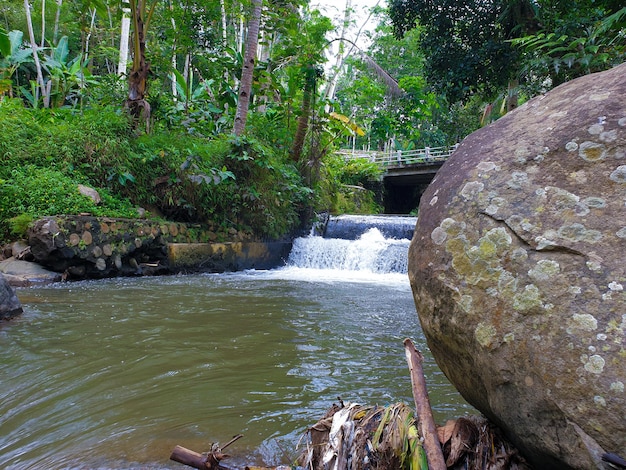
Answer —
(247, 72)
(308, 47)
(466, 43)
(311, 73)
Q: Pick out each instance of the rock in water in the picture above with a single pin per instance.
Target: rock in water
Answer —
(10, 305)
(518, 272)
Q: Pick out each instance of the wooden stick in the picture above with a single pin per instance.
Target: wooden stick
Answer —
(207, 461)
(189, 457)
(235, 438)
(427, 426)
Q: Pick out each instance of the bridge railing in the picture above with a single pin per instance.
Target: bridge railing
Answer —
(400, 158)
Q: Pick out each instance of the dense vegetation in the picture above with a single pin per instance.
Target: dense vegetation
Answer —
(227, 113)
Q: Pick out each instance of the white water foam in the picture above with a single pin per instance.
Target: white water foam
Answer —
(370, 258)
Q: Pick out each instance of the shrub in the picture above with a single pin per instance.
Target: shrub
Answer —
(340, 189)
(88, 142)
(19, 225)
(34, 192)
(239, 182)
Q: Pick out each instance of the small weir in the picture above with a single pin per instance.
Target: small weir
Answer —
(114, 373)
(351, 227)
(376, 245)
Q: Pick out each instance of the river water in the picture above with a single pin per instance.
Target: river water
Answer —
(113, 374)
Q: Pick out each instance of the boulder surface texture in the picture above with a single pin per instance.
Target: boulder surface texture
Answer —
(10, 305)
(518, 270)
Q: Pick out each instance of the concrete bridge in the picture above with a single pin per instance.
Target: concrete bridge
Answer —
(406, 173)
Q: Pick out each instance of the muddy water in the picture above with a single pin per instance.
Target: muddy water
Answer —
(113, 374)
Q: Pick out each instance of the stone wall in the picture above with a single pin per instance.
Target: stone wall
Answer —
(92, 247)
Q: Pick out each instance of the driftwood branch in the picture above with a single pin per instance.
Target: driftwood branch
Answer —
(426, 422)
(208, 461)
(188, 457)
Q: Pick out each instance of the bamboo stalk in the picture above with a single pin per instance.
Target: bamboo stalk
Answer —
(426, 422)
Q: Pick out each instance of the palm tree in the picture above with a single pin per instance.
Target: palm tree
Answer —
(247, 72)
(311, 74)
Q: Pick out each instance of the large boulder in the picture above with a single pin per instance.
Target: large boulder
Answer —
(518, 272)
(10, 305)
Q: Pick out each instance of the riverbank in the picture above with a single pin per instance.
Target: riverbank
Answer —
(86, 247)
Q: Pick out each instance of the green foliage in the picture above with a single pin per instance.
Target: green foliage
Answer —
(354, 171)
(238, 182)
(92, 143)
(12, 56)
(201, 107)
(33, 192)
(354, 200)
(475, 56)
(574, 46)
(342, 187)
(410, 118)
(109, 90)
(19, 225)
(274, 127)
(267, 190)
(68, 77)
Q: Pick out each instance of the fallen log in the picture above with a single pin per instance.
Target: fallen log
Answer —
(427, 426)
(207, 461)
(193, 459)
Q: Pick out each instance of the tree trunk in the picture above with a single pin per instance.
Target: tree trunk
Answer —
(92, 25)
(512, 95)
(247, 72)
(174, 61)
(41, 85)
(332, 83)
(123, 58)
(303, 123)
(265, 88)
(138, 78)
(57, 18)
(224, 27)
(43, 24)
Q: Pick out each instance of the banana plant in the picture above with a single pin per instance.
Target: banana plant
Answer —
(12, 57)
(141, 13)
(192, 94)
(68, 77)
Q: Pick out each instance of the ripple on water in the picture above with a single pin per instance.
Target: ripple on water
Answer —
(115, 373)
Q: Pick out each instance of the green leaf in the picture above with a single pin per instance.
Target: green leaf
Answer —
(75, 67)
(214, 109)
(381, 427)
(62, 50)
(21, 56)
(5, 44)
(181, 83)
(16, 37)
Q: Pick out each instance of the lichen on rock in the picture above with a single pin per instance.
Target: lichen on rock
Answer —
(518, 276)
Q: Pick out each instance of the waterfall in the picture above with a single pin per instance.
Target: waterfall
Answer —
(365, 244)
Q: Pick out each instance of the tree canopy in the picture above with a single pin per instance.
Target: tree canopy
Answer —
(430, 73)
(473, 46)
